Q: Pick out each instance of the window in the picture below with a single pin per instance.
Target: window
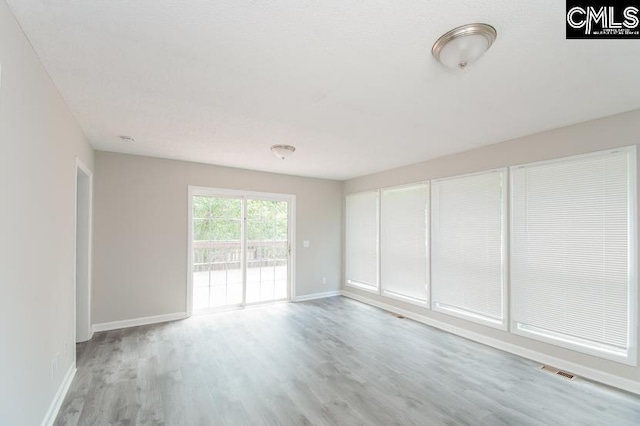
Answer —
(362, 240)
(573, 253)
(404, 243)
(468, 247)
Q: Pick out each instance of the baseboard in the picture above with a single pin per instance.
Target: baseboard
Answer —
(317, 295)
(578, 369)
(54, 408)
(114, 325)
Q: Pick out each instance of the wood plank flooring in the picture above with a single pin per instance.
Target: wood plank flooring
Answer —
(326, 362)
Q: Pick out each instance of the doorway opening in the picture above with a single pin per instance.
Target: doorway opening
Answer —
(84, 189)
(240, 251)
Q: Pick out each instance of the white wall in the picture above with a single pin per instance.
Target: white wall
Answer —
(40, 140)
(615, 131)
(140, 231)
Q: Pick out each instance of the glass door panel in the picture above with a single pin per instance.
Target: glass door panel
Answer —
(217, 249)
(267, 250)
(202, 254)
(227, 253)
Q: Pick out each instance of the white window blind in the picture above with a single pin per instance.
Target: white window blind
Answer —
(572, 273)
(468, 246)
(404, 224)
(362, 240)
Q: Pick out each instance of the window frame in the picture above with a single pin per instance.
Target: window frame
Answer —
(558, 339)
(353, 283)
(395, 295)
(505, 301)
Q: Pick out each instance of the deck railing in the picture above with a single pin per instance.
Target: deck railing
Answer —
(221, 255)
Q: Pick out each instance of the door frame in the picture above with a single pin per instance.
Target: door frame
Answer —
(82, 169)
(225, 192)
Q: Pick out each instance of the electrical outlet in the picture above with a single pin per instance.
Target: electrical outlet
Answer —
(66, 350)
(324, 280)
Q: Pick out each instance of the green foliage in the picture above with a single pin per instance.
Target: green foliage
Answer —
(216, 207)
(219, 219)
(217, 232)
(266, 220)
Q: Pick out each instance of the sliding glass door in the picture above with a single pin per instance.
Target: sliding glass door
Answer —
(240, 251)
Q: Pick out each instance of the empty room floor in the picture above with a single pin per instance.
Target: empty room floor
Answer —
(327, 362)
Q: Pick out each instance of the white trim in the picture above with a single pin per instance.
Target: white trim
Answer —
(80, 166)
(134, 322)
(469, 315)
(364, 286)
(291, 220)
(631, 149)
(633, 255)
(243, 255)
(238, 193)
(216, 310)
(189, 304)
(406, 185)
(574, 343)
(465, 175)
(578, 369)
(379, 242)
(506, 246)
(314, 296)
(265, 303)
(406, 299)
(58, 399)
(239, 307)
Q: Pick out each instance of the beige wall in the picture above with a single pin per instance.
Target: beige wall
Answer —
(615, 131)
(140, 231)
(39, 140)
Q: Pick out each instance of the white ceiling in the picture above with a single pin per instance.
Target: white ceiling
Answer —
(351, 84)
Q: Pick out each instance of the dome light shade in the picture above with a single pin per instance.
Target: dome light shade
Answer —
(282, 151)
(462, 46)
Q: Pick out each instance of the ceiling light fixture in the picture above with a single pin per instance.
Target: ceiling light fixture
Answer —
(282, 151)
(464, 45)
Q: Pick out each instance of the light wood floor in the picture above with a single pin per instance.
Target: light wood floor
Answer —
(327, 362)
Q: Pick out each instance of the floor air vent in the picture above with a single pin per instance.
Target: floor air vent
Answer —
(557, 372)
(398, 316)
